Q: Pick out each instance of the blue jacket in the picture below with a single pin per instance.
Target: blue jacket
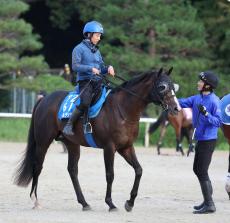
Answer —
(85, 56)
(206, 126)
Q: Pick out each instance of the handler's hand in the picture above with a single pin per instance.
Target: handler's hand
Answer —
(202, 109)
(111, 71)
(95, 71)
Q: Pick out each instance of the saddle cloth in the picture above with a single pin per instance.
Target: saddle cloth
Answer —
(72, 100)
(225, 109)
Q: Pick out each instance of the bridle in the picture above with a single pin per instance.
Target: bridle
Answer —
(160, 95)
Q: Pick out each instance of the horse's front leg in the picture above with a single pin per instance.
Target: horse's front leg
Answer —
(109, 152)
(130, 156)
(73, 158)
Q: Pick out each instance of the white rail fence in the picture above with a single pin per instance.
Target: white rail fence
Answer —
(147, 122)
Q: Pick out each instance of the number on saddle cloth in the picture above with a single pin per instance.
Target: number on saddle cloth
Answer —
(70, 103)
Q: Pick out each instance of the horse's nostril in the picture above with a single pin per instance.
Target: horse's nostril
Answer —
(176, 109)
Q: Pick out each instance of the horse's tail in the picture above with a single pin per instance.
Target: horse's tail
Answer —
(162, 118)
(24, 172)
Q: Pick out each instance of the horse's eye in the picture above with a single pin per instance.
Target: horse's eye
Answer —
(162, 88)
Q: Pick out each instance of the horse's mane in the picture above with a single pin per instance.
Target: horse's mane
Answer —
(136, 79)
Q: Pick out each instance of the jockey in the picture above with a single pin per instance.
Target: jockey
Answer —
(206, 120)
(87, 62)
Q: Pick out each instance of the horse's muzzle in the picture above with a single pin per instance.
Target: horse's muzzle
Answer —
(173, 110)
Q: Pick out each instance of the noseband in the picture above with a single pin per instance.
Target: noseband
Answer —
(160, 92)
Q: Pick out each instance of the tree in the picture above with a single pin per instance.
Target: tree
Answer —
(17, 42)
(216, 18)
(141, 35)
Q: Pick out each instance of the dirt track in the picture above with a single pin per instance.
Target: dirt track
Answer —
(168, 189)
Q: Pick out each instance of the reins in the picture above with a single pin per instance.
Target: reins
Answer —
(118, 86)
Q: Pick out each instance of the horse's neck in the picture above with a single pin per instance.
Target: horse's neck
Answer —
(130, 106)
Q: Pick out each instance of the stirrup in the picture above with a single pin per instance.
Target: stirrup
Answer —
(68, 129)
(87, 128)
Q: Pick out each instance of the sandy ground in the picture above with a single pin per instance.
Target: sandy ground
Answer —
(167, 192)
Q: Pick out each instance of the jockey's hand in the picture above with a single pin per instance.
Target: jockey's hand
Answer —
(95, 71)
(111, 71)
(202, 109)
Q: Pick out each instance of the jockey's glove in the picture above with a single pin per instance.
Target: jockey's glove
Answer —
(202, 110)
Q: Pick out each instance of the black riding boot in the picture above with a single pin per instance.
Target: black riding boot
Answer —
(208, 206)
(198, 207)
(68, 129)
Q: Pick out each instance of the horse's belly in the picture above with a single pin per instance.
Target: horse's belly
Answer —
(187, 113)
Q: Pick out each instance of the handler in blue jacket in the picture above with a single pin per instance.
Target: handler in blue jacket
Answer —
(87, 62)
(206, 121)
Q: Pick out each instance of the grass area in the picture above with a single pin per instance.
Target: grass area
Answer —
(16, 130)
(170, 138)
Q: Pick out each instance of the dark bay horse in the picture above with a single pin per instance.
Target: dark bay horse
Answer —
(182, 124)
(225, 113)
(226, 131)
(114, 129)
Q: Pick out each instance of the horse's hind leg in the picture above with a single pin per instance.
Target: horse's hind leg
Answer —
(178, 141)
(73, 158)
(38, 164)
(162, 135)
(130, 156)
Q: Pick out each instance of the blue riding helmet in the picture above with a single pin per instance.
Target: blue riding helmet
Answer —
(93, 27)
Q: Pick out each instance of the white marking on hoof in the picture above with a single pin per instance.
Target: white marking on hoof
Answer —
(37, 205)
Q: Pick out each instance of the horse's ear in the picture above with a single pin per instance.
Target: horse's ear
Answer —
(159, 72)
(169, 71)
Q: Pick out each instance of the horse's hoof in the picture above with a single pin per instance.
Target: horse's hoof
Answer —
(87, 208)
(128, 207)
(37, 206)
(113, 209)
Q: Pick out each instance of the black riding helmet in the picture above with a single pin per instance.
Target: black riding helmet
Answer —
(209, 78)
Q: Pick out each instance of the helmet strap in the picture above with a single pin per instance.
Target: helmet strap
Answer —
(207, 87)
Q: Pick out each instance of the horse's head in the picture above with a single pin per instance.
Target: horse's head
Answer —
(163, 92)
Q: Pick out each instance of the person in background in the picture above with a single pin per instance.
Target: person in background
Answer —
(41, 94)
(206, 121)
(87, 62)
(67, 74)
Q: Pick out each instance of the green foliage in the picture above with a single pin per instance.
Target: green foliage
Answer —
(45, 82)
(16, 39)
(61, 12)
(14, 129)
(216, 18)
(141, 35)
